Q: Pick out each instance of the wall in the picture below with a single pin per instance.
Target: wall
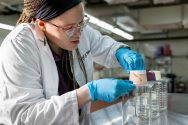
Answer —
(3, 34)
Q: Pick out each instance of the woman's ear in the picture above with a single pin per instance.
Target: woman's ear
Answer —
(41, 24)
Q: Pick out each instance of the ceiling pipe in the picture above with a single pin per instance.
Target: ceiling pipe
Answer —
(137, 6)
(156, 39)
(145, 6)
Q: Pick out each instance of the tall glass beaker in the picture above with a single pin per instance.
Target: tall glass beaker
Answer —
(163, 94)
(155, 98)
(161, 87)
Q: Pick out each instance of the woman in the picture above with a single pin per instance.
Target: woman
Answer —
(46, 66)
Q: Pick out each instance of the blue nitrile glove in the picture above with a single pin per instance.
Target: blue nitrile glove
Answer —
(109, 89)
(129, 59)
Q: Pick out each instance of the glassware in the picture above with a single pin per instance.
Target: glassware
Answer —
(155, 98)
(162, 120)
(161, 87)
(163, 95)
(136, 106)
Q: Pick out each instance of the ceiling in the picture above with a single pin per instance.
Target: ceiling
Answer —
(8, 5)
(142, 18)
(138, 4)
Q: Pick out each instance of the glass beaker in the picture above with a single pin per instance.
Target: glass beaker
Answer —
(136, 106)
(155, 77)
(163, 94)
(155, 98)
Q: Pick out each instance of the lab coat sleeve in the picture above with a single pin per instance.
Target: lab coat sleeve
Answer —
(22, 96)
(103, 48)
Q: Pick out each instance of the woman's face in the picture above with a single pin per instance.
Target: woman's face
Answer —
(63, 31)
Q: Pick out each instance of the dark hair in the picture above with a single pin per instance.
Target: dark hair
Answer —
(29, 10)
(45, 9)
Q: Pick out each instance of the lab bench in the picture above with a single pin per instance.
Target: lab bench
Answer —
(177, 113)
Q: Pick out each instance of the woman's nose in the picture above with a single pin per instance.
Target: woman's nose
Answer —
(78, 31)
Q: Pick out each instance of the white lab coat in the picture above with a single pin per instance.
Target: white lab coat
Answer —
(29, 77)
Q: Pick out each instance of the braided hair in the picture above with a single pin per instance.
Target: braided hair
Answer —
(29, 10)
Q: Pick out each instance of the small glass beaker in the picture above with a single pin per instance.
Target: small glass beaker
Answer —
(136, 106)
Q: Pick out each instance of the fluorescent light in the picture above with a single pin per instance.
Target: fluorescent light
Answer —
(6, 27)
(127, 28)
(109, 27)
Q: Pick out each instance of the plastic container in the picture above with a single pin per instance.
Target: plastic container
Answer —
(138, 77)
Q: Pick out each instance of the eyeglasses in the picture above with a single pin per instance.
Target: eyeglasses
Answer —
(71, 29)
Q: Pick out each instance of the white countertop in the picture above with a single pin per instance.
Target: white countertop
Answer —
(112, 115)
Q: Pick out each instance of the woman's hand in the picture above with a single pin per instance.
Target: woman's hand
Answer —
(129, 59)
(109, 90)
